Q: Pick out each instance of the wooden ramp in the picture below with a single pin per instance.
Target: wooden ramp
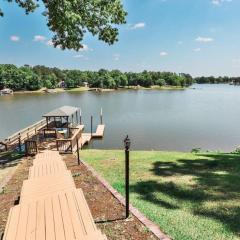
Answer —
(51, 208)
(86, 138)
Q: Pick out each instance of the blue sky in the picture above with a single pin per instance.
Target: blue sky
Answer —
(200, 37)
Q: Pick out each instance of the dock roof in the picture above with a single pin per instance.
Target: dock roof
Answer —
(65, 111)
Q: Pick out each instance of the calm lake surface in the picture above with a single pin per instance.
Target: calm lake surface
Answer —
(205, 116)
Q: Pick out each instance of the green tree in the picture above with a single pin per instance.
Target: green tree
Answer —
(72, 20)
(161, 82)
(34, 82)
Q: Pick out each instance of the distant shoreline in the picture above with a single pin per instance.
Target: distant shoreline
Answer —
(85, 89)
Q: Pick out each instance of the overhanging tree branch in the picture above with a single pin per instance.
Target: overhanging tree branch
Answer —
(70, 20)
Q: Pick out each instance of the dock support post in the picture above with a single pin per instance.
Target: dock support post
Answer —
(77, 117)
(19, 142)
(101, 117)
(78, 152)
(80, 113)
(91, 125)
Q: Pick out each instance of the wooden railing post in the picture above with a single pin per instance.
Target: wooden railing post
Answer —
(19, 142)
(28, 133)
(26, 148)
(78, 152)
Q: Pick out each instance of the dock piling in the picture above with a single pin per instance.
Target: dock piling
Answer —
(80, 113)
(101, 117)
(91, 125)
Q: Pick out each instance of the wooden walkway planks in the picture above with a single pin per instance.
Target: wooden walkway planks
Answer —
(99, 132)
(58, 216)
(87, 137)
(51, 208)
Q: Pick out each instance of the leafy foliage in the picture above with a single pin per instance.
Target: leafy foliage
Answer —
(71, 20)
(34, 78)
(237, 150)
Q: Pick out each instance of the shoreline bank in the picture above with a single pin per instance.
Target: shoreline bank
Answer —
(86, 89)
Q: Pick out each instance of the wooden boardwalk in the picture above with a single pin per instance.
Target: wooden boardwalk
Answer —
(51, 208)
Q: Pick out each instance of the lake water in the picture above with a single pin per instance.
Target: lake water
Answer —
(205, 116)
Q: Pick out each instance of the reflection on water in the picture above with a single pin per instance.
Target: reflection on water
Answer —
(205, 116)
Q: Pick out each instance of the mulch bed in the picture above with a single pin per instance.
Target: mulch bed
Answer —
(11, 193)
(107, 211)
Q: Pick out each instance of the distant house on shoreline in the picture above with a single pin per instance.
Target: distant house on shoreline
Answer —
(62, 84)
(6, 91)
(85, 84)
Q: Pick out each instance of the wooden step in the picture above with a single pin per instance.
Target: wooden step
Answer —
(41, 187)
(46, 169)
(61, 216)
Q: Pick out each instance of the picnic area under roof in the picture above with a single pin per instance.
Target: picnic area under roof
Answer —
(65, 111)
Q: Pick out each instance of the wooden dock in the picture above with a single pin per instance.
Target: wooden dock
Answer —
(22, 135)
(34, 137)
(87, 137)
(99, 132)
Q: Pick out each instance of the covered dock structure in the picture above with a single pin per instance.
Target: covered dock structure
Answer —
(64, 116)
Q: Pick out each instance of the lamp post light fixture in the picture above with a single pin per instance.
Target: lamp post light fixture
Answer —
(127, 144)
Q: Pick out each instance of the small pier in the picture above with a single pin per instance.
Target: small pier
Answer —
(99, 132)
(61, 130)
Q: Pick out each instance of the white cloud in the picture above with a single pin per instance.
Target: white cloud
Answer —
(15, 38)
(116, 57)
(218, 2)
(204, 39)
(78, 56)
(138, 25)
(163, 54)
(197, 49)
(85, 48)
(39, 38)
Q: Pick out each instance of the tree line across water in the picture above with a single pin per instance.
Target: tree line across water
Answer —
(34, 78)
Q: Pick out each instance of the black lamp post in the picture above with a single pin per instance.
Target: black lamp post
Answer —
(127, 144)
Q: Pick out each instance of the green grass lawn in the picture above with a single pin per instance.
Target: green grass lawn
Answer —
(190, 196)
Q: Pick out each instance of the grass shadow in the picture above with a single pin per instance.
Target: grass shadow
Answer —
(216, 181)
(9, 159)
